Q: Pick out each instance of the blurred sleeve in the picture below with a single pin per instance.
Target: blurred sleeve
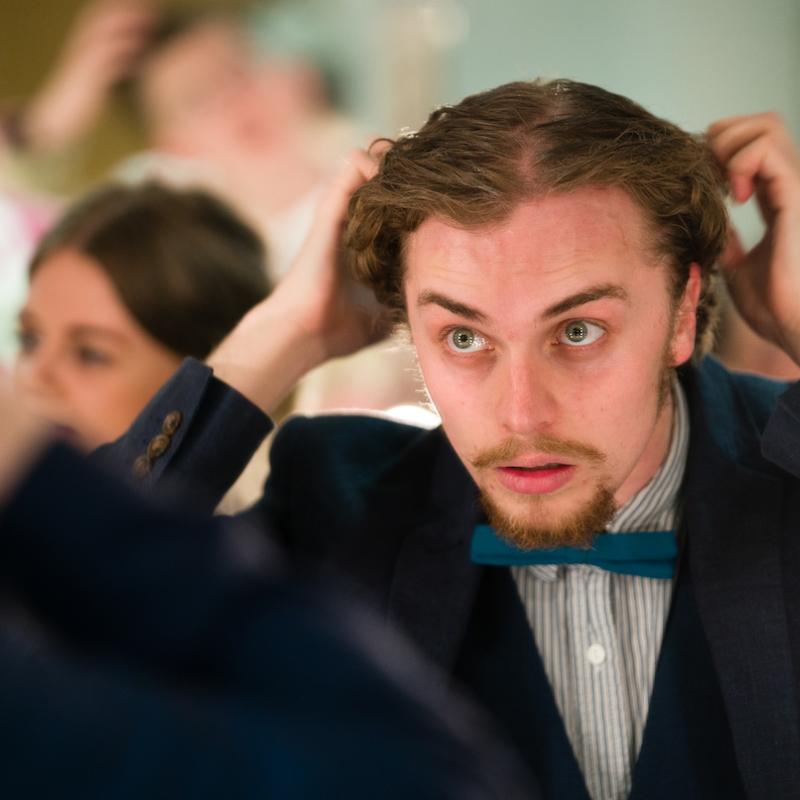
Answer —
(781, 441)
(191, 441)
(179, 649)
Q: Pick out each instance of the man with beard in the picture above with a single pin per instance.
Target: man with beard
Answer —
(623, 597)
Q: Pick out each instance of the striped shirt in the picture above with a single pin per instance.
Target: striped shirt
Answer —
(599, 633)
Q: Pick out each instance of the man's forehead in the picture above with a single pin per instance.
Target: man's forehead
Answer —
(555, 229)
(548, 250)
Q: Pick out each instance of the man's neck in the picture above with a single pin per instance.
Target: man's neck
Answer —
(653, 456)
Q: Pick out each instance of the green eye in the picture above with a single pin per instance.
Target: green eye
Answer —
(580, 332)
(577, 332)
(465, 340)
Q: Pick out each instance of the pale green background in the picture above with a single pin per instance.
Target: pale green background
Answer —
(692, 61)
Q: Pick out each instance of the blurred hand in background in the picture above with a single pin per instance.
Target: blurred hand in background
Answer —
(100, 50)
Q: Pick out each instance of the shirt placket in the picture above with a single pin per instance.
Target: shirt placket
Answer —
(604, 727)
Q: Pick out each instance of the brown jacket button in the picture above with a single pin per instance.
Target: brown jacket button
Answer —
(158, 446)
(141, 466)
(172, 422)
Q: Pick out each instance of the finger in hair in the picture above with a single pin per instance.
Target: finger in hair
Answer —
(760, 161)
(728, 141)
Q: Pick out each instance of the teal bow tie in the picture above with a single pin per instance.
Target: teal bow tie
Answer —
(652, 554)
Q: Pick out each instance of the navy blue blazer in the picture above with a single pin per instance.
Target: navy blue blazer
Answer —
(389, 510)
(164, 656)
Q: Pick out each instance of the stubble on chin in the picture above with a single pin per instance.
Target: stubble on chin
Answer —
(576, 528)
(537, 525)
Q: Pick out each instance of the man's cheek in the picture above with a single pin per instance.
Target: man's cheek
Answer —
(461, 420)
(463, 432)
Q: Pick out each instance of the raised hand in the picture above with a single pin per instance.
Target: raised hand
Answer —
(760, 158)
(315, 313)
(340, 314)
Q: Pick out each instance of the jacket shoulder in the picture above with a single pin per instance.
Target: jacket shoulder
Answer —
(759, 394)
(738, 393)
(362, 446)
(337, 480)
(735, 411)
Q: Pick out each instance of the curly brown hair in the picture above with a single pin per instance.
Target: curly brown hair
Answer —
(471, 164)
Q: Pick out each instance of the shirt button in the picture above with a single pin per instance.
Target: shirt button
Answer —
(596, 654)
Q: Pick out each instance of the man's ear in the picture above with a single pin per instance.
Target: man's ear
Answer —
(685, 323)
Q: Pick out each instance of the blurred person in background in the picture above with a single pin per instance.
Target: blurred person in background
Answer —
(128, 283)
(260, 129)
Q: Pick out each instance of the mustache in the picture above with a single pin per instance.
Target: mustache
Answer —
(549, 445)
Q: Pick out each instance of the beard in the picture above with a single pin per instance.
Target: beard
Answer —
(576, 529)
(536, 526)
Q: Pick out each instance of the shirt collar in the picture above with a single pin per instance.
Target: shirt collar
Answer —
(656, 505)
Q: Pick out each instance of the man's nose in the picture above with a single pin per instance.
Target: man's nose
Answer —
(527, 399)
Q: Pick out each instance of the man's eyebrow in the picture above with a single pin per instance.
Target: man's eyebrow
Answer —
(428, 298)
(598, 292)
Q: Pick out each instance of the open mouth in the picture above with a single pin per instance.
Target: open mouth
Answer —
(536, 479)
(539, 468)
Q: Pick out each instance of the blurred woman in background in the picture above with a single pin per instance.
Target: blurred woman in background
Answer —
(128, 283)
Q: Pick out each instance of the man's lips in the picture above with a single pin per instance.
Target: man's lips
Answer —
(535, 462)
(534, 475)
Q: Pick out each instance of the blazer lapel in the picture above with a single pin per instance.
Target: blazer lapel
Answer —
(435, 583)
(733, 529)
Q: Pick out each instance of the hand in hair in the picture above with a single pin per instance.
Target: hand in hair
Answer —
(100, 50)
(762, 161)
(316, 312)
